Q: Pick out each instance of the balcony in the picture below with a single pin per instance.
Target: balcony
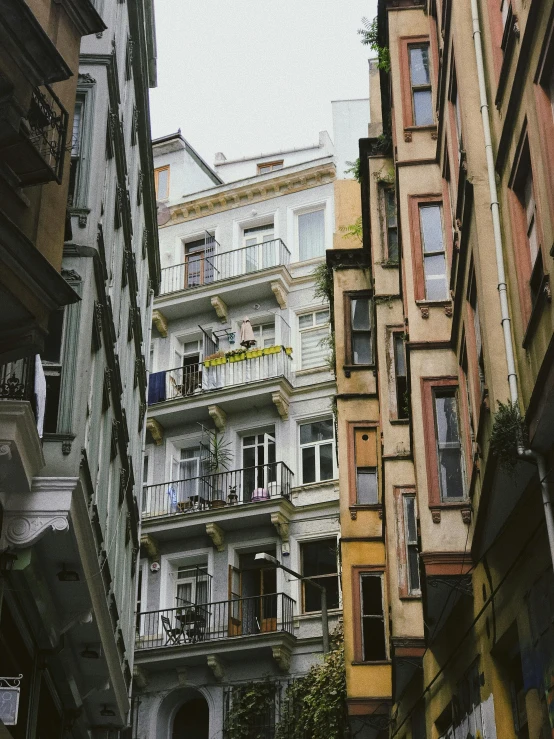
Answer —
(263, 267)
(230, 627)
(234, 383)
(36, 156)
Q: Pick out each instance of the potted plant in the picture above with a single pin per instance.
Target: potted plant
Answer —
(219, 459)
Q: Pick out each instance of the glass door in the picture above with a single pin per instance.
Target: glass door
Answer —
(195, 259)
(259, 464)
(259, 254)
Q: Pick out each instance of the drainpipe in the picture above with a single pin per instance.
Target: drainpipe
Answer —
(527, 454)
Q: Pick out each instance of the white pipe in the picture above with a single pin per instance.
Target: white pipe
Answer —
(528, 454)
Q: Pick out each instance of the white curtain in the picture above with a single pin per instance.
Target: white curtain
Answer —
(311, 235)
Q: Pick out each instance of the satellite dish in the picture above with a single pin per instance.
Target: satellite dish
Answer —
(164, 214)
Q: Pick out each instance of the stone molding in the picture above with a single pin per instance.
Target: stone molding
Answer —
(282, 404)
(156, 430)
(150, 546)
(281, 523)
(160, 322)
(216, 666)
(218, 416)
(281, 655)
(220, 308)
(280, 294)
(21, 456)
(217, 535)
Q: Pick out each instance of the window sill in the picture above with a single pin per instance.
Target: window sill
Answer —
(399, 421)
(366, 506)
(454, 504)
(426, 127)
(371, 664)
(410, 596)
(312, 370)
(358, 367)
(390, 265)
(313, 615)
(311, 485)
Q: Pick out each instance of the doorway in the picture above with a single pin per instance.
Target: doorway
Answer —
(192, 720)
(253, 596)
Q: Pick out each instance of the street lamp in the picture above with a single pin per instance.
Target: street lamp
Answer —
(324, 620)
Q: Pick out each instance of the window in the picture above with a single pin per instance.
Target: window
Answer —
(191, 585)
(504, 11)
(474, 305)
(264, 334)
(457, 114)
(358, 342)
(420, 82)
(434, 257)
(317, 450)
(269, 167)
(365, 457)
(161, 182)
(448, 444)
(374, 648)
(311, 235)
(412, 553)
(391, 225)
(76, 145)
(400, 376)
(261, 248)
(319, 561)
(51, 359)
(314, 328)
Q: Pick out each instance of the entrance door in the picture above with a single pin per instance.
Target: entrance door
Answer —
(259, 464)
(192, 720)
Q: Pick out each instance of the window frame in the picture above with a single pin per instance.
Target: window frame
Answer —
(416, 202)
(157, 170)
(428, 387)
(85, 97)
(275, 165)
(301, 544)
(298, 212)
(385, 191)
(307, 329)
(371, 428)
(332, 441)
(396, 333)
(358, 572)
(544, 96)
(408, 543)
(400, 493)
(408, 112)
(348, 330)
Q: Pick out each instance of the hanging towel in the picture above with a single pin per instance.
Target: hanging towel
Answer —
(247, 337)
(172, 495)
(40, 394)
(156, 387)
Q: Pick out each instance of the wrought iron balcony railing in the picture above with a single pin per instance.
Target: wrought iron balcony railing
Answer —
(217, 490)
(194, 379)
(17, 380)
(207, 266)
(194, 624)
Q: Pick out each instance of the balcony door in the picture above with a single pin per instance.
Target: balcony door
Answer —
(259, 465)
(199, 261)
(187, 470)
(252, 596)
(259, 254)
(186, 378)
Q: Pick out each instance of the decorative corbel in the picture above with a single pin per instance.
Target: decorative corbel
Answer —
(407, 136)
(424, 311)
(353, 514)
(436, 516)
(466, 516)
(156, 430)
(160, 322)
(182, 676)
(282, 404)
(217, 535)
(281, 523)
(280, 294)
(448, 310)
(220, 308)
(218, 416)
(140, 677)
(149, 546)
(216, 666)
(281, 655)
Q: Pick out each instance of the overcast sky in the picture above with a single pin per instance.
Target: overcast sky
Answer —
(246, 76)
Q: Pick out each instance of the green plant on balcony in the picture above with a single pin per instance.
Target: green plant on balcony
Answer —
(508, 433)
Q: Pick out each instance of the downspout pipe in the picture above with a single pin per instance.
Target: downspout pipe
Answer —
(528, 454)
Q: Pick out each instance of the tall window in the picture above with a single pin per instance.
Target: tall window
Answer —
(319, 560)
(261, 248)
(412, 553)
(374, 646)
(420, 81)
(400, 376)
(365, 454)
(477, 331)
(311, 235)
(314, 328)
(391, 225)
(359, 344)
(448, 443)
(265, 335)
(455, 100)
(161, 181)
(317, 450)
(51, 359)
(434, 258)
(76, 145)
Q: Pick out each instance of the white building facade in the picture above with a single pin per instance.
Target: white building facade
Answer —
(240, 456)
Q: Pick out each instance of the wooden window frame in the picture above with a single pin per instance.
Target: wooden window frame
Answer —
(336, 574)
(400, 492)
(157, 171)
(408, 116)
(428, 386)
(415, 201)
(456, 126)
(348, 351)
(357, 572)
(371, 427)
(384, 191)
(394, 414)
(272, 165)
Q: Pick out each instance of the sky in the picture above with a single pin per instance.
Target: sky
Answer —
(251, 76)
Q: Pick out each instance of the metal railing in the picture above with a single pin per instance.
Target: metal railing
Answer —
(210, 266)
(217, 490)
(186, 625)
(48, 122)
(17, 380)
(194, 379)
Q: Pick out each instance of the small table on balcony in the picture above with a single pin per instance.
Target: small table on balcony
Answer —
(193, 623)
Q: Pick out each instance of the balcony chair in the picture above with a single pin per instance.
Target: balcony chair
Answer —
(173, 636)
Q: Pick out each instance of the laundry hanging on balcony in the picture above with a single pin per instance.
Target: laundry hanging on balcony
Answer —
(156, 387)
(247, 338)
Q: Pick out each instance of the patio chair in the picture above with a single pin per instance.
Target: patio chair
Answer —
(173, 636)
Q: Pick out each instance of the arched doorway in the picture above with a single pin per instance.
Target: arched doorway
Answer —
(192, 720)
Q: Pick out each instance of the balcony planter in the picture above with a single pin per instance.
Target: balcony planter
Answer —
(271, 350)
(237, 357)
(288, 351)
(220, 360)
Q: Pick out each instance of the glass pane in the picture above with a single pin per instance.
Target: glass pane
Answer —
(423, 108)
(419, 65)
(248, 440)
(392, 244)
(450, 470)
(360, 313)
(410, 518)
(413, 569)
(308, 464)
(431, 228)
(321, 317)
(249, 456)
(319, 557)
(390, 207)
(366, 486)
(306, 321)
(447, 419)
(163, 181)
(316, 431)
(399, 358)
(326, 462)
(312, 596)
(435, 289)
(372, 602)
(373, 636)
(361, 347)
(311, 235)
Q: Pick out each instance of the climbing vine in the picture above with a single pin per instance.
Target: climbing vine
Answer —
(250, 706)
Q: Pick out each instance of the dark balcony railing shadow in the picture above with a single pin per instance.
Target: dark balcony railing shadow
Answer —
(187, 625)
(194, 379)
(203, 268)
(217, 490)
(17, 381)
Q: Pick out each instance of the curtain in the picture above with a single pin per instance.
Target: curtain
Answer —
(311, 235)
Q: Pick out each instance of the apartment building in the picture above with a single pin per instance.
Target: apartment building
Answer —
(446, 520)
(241, 447)
(74, 414)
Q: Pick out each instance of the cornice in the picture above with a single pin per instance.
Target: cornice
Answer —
(253, 192)
(84, 16)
